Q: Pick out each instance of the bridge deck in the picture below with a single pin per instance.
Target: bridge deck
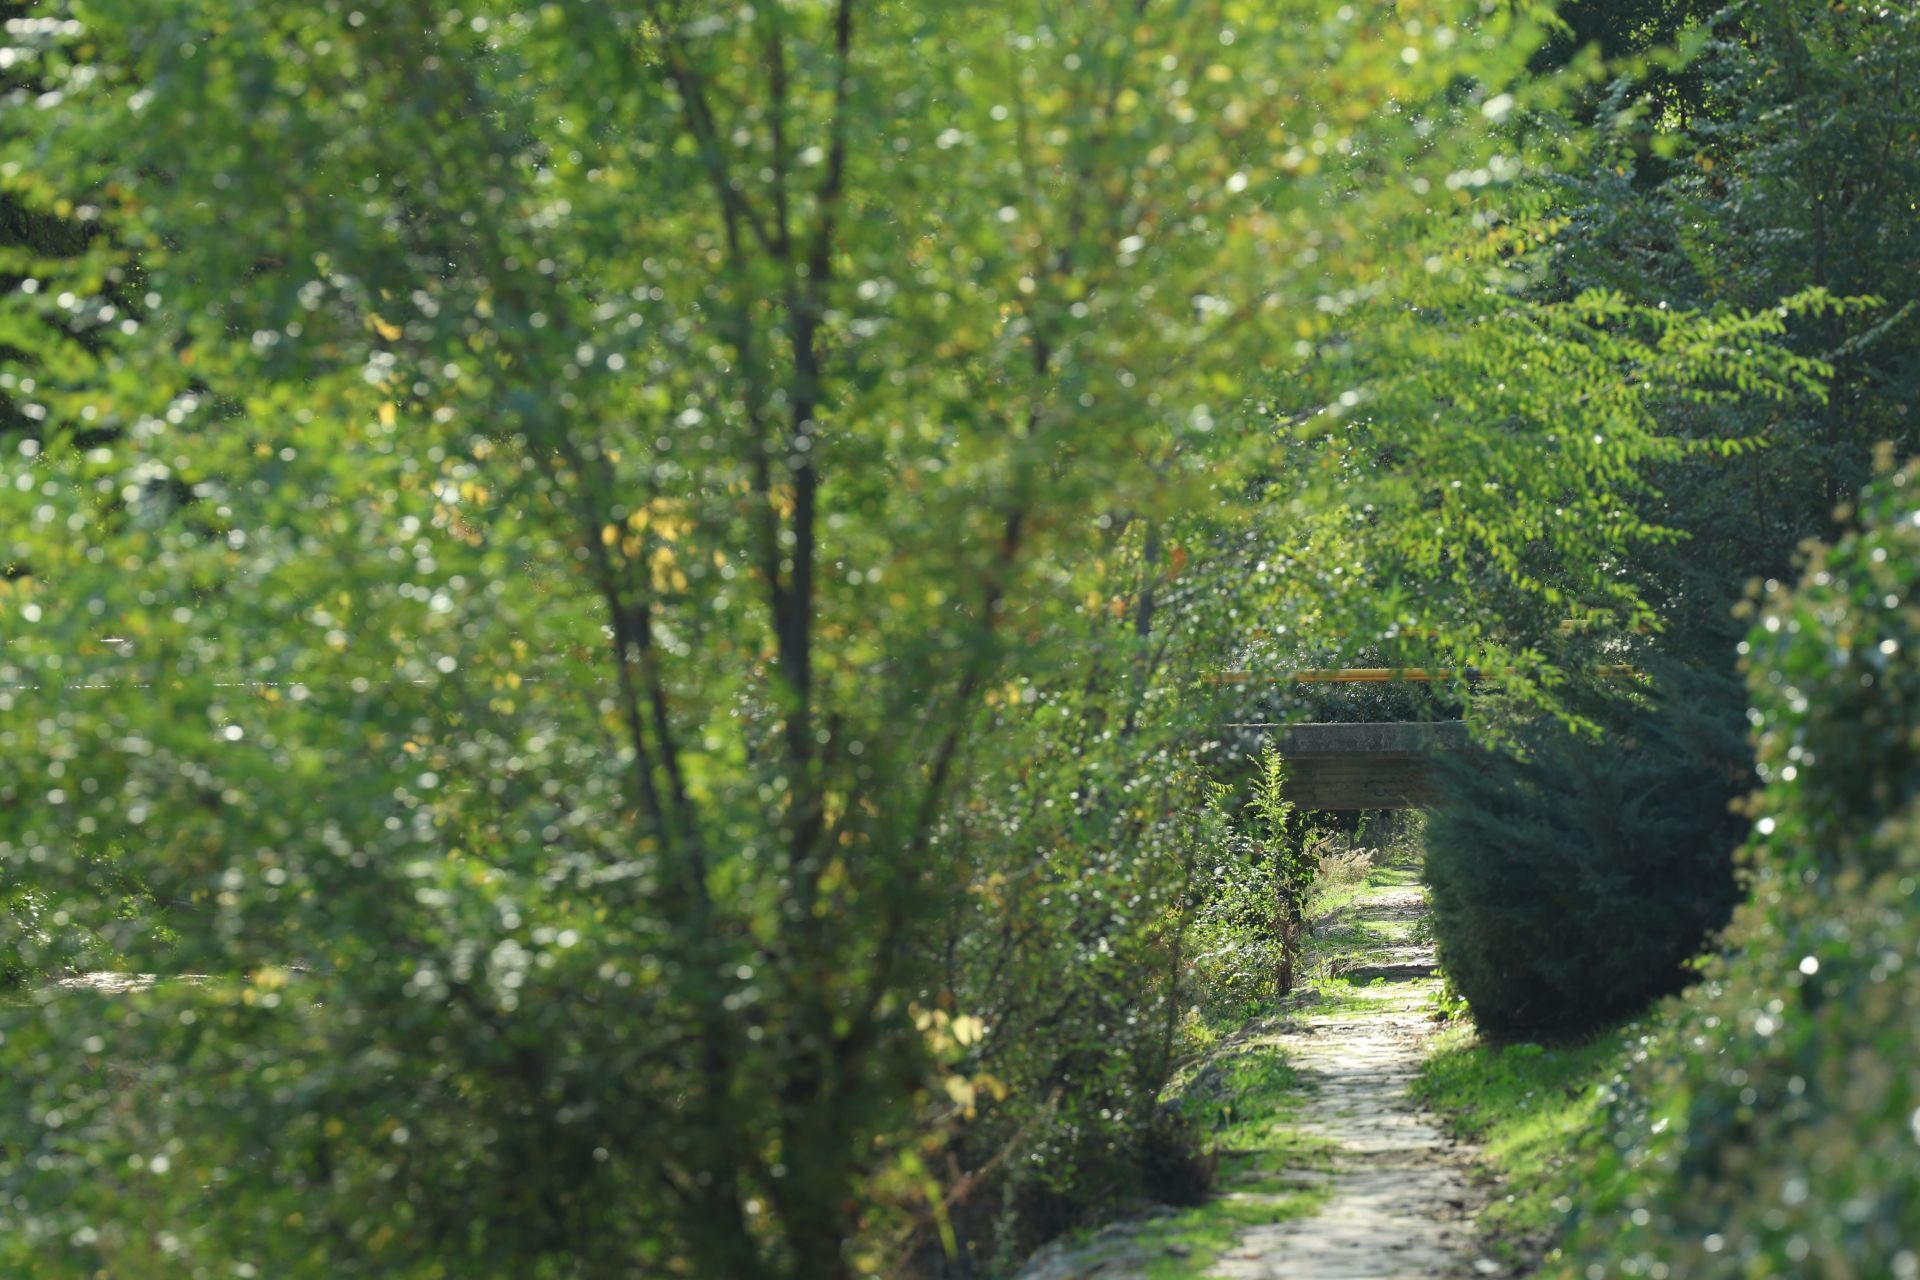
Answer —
(1364, 766)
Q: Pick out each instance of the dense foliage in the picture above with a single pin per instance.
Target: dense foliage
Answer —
(1780, 156)
(1768, 1124)
(621, 601)
(1793, 164)
(1572, 880)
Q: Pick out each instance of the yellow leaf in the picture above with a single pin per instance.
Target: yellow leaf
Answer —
(387, 414)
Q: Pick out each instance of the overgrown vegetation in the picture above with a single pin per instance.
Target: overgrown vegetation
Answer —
(627, 603)
(1238, 941)
(1238, 1093)
(1759, 1124)
(1577, 876)
(1759, 1130)
(1767, 1125)
(1572, 885)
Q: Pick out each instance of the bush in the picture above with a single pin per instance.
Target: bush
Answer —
(1771, 1126)
(1570, 883)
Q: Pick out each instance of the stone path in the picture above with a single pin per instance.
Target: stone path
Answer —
(1401, 1204)
(1400, 1201)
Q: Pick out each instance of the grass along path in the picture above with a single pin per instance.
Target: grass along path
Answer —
(1330, 1169)
(1531, 1112)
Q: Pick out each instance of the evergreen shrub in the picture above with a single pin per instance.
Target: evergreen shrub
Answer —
(1772, 1123)
(1572, 878)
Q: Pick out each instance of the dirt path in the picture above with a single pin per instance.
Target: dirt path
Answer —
(1399, 1200)
(1387, 1195)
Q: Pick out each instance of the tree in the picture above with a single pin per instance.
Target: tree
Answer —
(1777, 169)
(1572, 885)
(1785, 174)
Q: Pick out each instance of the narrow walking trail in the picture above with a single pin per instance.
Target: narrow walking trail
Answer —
(1352, 1179)
(1399, 1200)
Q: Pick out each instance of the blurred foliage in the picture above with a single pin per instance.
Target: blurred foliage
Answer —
(1767, 1124)
(1573, 878)
(628, 623)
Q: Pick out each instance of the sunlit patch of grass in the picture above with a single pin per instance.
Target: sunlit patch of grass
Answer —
(1397, 875)
(1338, 998)
(1337, 892)
(1190, 1242)
(1283, 1151)
(1247, 1101)
(1532, 1109)
(1241, 1094)
(1341, 933)
(1357, 935)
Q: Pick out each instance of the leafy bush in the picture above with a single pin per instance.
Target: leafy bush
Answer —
(1237, 953)
(1770, 1126)
(1571, 884)
(1251, 925)
(1070, 945)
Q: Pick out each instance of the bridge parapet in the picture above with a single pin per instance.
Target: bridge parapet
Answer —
(1386, 765)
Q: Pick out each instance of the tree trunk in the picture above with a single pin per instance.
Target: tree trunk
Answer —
(1286, 927)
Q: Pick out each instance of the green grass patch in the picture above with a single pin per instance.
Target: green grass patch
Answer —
(1341, 933)
(1346, 933)
(1356, 935)
(1187, 1244)
(1532, 1109)
(1394, 875)
(1247, 1100)
(1341, 997)
(1249, 1084)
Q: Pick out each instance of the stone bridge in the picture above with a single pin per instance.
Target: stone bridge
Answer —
(1363, 766)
